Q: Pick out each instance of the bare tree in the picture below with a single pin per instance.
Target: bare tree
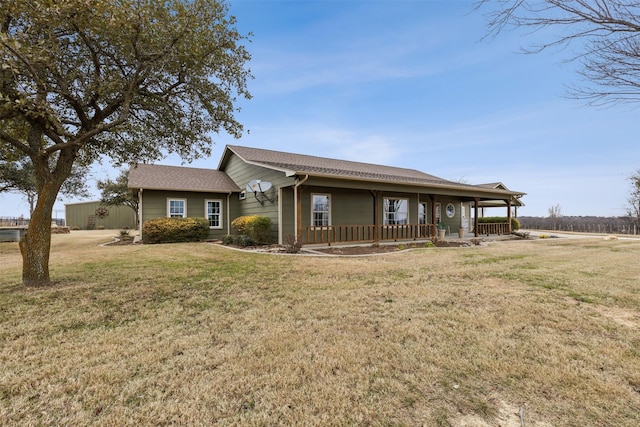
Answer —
(633, 210)
(607, 33)
(555, 213)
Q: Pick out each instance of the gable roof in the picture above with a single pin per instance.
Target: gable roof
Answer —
(301, 164)
(497, 203)
(178, 178)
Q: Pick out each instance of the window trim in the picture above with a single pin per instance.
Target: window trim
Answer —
(206, 213)
(385, 218)
(328, 212)
(176, 199)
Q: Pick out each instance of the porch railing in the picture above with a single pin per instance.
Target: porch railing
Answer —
(486, 228)
(366, 233)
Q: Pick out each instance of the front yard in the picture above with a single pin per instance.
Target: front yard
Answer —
(544, 332)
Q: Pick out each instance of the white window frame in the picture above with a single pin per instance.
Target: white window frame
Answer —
(184, 212)
(423, 216)
(387, 212)
(438, 213)
(314, 211)
(206, 212)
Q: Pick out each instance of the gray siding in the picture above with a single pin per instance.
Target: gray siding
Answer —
(348, 207)
(154, 205)
(242, 173)
(356, 207)
(288, 214)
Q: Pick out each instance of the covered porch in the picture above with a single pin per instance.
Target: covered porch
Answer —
(420, 217)
(370, 233)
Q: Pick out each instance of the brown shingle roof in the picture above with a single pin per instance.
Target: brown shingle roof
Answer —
(177, 178)
(322, 166)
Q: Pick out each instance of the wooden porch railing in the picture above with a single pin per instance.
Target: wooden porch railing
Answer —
(366, 233)
(486, 228)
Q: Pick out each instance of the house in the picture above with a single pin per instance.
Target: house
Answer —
(318, 199)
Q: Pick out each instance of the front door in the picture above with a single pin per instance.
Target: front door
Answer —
(463, 217)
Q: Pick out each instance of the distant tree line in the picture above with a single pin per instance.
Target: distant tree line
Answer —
(583, 224)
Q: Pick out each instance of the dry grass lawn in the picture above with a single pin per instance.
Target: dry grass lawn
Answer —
(545, 332)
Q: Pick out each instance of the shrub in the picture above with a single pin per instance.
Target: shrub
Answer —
(257, 227)
(75, 227)
(100, 227)
(228, 240)
(243, 240)
(260, 229)
(292, 245)
(515, 222)
(240, 224)
(169, 230)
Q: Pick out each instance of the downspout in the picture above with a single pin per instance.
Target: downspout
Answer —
(140, 213)
(295, 206)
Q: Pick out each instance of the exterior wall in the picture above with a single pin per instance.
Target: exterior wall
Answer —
(154, 205)
(242, 173)
(452, 224)
(356, 207)
(287, 216)
(347, 207)
(78, 215)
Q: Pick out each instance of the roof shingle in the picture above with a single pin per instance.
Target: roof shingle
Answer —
(177, 178)
(304, 164)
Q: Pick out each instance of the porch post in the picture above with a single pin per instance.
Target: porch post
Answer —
(509, 215)
(476, 200)
(434, 200)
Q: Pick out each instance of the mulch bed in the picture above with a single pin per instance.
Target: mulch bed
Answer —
(336, 250)
(381, 249)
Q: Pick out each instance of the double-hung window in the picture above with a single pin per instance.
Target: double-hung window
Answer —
(396, 211)
(320, 210)
(213, 208)
(176, 208)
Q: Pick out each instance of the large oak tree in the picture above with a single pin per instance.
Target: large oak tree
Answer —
(128, 79)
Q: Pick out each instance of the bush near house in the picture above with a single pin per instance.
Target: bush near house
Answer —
(170, 230)
(515, 223)
(256, 227)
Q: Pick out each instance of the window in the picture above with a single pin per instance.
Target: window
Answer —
(422, 213)
(213, 208)
(320, 210)
(438, 213)
(451, 210)
(396, 211)
(176, 208)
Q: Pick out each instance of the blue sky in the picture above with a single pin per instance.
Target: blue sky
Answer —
(413, 84)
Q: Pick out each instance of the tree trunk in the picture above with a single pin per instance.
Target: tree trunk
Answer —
(35, 246)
